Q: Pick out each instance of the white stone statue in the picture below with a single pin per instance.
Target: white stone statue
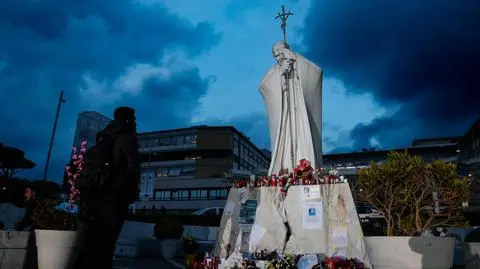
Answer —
(292, 93)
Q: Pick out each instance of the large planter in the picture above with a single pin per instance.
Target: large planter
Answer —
(471, 255)
(56, 249)
(17, 250)
(168, 248)
(410, 252)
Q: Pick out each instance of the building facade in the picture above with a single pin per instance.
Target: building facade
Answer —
(89, 123)
(185, 169)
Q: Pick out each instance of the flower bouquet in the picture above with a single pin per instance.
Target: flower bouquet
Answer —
(276, 260)
(303, 174)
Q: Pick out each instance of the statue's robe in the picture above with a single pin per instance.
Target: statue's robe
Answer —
(299, 136)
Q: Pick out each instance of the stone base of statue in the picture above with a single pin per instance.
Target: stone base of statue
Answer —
(318, 219)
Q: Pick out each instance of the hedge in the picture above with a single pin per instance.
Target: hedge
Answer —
(213, 221)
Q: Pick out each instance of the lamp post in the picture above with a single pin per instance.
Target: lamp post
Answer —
(61, 100)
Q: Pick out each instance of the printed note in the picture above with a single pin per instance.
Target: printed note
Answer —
(312, 216)
(311, 192)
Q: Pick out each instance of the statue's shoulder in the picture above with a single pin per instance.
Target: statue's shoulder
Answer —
(304, 61)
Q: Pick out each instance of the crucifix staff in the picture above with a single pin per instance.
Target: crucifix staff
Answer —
(283, 17)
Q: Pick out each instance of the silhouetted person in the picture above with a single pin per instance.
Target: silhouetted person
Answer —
(114, 184)
(26, 223)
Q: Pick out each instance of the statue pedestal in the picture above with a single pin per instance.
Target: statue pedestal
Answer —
(321, 218)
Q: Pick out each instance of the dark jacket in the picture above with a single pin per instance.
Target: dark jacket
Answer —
(122, 186)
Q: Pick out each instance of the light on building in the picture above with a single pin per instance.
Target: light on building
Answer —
(458, 150)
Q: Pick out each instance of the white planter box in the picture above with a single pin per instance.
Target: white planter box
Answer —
(16, 250)
(405, 252)
(471, 254)
(56, 249)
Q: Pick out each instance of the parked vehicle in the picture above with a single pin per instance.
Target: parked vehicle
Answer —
(368, 214)
(209, 211)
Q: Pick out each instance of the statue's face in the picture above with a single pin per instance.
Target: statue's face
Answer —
(277, 51)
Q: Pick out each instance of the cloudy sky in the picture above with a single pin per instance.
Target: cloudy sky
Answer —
(394, 70)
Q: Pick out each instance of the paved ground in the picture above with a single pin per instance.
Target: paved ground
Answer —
(125, 263)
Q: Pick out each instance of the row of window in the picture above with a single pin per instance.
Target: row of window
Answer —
(248, 154)
(168, 141)
(191, 194)
(163, 172)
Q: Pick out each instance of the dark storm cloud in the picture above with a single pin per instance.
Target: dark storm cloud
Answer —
(48, 46)
(423, 55)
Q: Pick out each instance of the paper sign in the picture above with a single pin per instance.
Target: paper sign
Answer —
(312, 216)
(340, 236)
(244, 243)
(229, 207)
(311, 192)
(256, 234)
(248, 211)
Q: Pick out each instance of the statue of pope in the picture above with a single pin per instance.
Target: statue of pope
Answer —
(292, 93)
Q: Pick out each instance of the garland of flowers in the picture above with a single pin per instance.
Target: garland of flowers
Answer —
(303, 174)
(74, 170)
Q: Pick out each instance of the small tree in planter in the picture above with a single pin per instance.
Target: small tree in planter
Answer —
(412, 195)
(56, 222)
(169, 230)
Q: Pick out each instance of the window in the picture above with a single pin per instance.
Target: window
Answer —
(218, 194)
(179, 140)
(174, 172)
(162, 172)
(188, 170)
(180, 195)
(198, 195)
(162, 195)
(203, 194)
(195, 194)
(194, 139)
(235, 165)
(164, 141)
(235, 147)
(143, 143)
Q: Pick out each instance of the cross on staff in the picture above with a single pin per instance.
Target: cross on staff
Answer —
(283, 17)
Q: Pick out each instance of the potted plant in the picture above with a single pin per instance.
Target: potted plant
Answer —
(413, 196)
(190, 248)
(57, 222)
(168, 231)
